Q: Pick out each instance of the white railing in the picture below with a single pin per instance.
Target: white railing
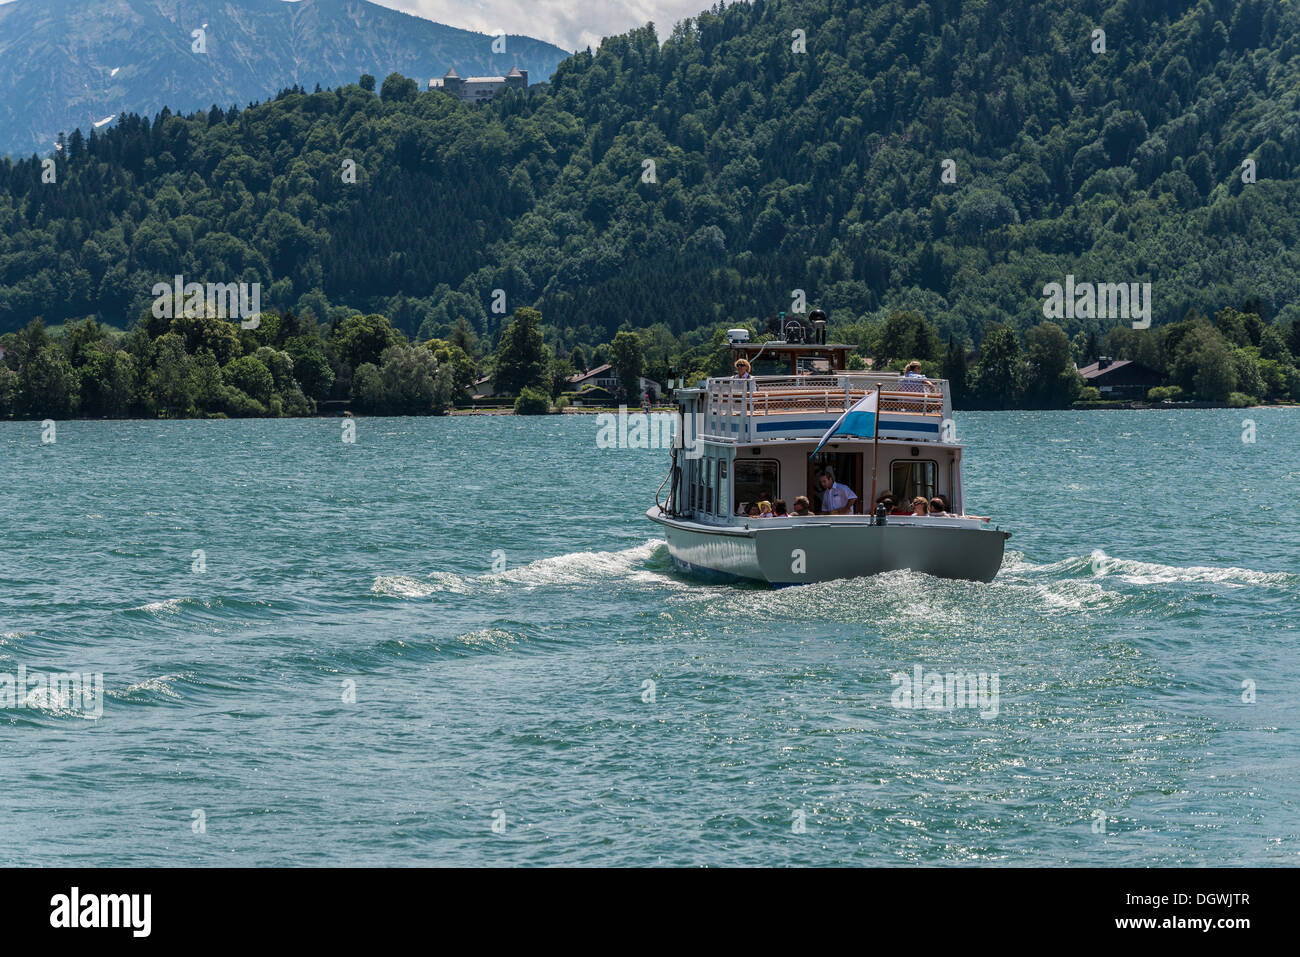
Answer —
(732, 404)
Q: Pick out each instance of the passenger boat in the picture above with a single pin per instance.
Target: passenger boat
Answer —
(743, 440)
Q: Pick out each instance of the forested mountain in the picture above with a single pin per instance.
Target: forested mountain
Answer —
(702, 179)
(72, 63)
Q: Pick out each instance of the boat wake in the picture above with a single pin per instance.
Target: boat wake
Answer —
(642, 564)
(1094, 581)
(1100, 567)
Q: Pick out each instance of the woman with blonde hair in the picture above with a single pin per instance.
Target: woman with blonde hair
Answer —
(742, 369)
(920, 505)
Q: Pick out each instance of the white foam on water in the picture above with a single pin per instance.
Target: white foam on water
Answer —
(1075, 595)
(1149, 573)
(579, 567)
(169, 606)
(162, 685)
(57, 703)
(574, 568)
(489, 638)
(1099, 565)
(399, 586)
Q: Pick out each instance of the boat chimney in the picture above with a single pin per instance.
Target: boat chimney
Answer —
(1103, 362)
(818, 320)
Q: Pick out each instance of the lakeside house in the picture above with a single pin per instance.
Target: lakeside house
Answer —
(596, 387)
(479, 89)
(1120, 379)
(601, 385)
(484, 388)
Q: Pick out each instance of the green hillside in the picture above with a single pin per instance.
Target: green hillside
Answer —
(774, 170)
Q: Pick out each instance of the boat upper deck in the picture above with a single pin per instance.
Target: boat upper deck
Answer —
(757, 408)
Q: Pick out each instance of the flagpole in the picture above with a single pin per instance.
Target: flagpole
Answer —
(875, 457)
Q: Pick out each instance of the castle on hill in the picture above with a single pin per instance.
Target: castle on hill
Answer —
(477, 89)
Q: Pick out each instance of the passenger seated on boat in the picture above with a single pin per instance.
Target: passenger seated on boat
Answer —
(764, 509)
(947, 509)
(801, 507)
(752, 510)
(920, 506)
(938, 509)
(779, 509)
(901, 507)
(886, 499)
(837, 499)
(742, 369)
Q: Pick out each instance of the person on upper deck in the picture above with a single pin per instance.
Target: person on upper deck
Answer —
(920, 505)
(742, 369)
(837, 499)
(801, 507)
(913, 380)
(765, 509)
(912, 373)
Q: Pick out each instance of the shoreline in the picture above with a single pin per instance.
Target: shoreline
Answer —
(460, 413)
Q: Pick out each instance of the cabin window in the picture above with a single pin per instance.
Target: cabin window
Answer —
(757, 480)
(813, 366)
(765, 365)
(912, 477)
(709, 470)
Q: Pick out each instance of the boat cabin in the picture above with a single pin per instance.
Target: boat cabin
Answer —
(747, 440)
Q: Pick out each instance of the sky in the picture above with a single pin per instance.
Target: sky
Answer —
(570, 24)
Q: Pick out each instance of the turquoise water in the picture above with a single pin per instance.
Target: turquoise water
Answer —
(1154, 568)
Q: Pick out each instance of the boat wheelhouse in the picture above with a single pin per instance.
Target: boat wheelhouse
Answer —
(751, 439)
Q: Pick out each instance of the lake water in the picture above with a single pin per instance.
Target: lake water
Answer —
(238, 583)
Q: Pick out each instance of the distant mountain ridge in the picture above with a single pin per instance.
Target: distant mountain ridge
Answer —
(68, 64)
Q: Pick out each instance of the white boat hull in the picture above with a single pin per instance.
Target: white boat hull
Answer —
(802, 551)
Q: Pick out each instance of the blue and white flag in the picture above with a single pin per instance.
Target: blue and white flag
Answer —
(858, 421)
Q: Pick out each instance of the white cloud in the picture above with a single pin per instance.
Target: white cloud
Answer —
(570, 24)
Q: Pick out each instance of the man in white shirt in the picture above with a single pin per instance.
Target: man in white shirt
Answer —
(837, 499)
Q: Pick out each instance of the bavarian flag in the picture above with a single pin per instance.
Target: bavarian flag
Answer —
(858, 421)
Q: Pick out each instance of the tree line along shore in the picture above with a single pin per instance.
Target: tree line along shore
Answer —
(286, 365)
